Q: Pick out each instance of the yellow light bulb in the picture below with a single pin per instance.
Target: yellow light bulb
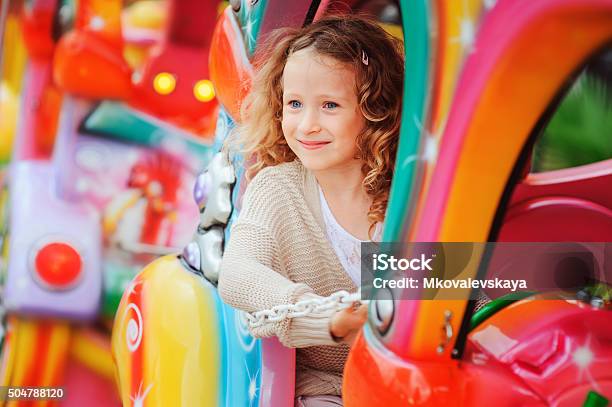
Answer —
(164, 83)
(204, 90)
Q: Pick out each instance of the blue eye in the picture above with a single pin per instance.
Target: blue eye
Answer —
(295, 104)
(330, 105)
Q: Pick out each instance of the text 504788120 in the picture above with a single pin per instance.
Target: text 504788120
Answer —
(31, 393)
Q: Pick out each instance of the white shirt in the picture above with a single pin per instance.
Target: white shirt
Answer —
(346, 246)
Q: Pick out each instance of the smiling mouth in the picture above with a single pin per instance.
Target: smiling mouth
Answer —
(313, 145)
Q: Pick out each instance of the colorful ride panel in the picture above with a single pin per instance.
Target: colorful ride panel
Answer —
(473, 188)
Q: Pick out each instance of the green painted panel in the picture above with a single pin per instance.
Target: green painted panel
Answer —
(415, 20)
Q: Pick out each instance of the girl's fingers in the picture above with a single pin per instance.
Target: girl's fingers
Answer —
(357, 316)
(359, 313)
(347, 322)
(362, 311)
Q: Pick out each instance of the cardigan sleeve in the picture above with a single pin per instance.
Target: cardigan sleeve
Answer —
(251, 278)
(248, 282)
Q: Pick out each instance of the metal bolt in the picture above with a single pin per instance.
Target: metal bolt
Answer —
(597, 302)
(583, 295)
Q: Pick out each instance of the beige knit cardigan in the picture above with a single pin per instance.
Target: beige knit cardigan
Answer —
(278, 253)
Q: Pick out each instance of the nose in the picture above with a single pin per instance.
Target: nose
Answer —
(309, 122)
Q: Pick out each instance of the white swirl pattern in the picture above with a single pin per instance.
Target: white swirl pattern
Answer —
(134, 329)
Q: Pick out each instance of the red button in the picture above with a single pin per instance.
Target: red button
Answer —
(58, 264)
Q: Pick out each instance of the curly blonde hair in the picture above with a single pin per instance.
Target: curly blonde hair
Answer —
(348, 39)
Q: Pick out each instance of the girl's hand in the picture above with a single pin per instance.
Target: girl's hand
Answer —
(346, 323)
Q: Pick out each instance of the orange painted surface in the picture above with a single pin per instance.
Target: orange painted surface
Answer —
(395, 382)
(231, 75)
(514, 99)
(89, 66)
(428, 329)
(47, 118)
(102, 17)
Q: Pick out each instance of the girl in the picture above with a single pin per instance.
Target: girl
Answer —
(321, 128)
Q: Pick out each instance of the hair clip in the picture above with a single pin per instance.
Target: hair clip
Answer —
(364, 58)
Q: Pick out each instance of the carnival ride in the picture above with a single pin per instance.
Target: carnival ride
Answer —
(94, 188)
(475, 185)
(461, 175)
(488, 96)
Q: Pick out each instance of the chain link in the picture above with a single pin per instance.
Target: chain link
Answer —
(338, 300)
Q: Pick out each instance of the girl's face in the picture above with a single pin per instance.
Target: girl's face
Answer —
(321, 116)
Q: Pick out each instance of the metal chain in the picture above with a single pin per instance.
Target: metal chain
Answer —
(338, 300)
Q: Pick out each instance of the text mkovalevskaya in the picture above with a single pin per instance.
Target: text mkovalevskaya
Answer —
(385, 262)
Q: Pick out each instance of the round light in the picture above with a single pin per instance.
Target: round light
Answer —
(58, 265)
(164, 83)
(204, 90)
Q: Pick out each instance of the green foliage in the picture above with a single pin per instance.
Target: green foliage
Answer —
(580, 131)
